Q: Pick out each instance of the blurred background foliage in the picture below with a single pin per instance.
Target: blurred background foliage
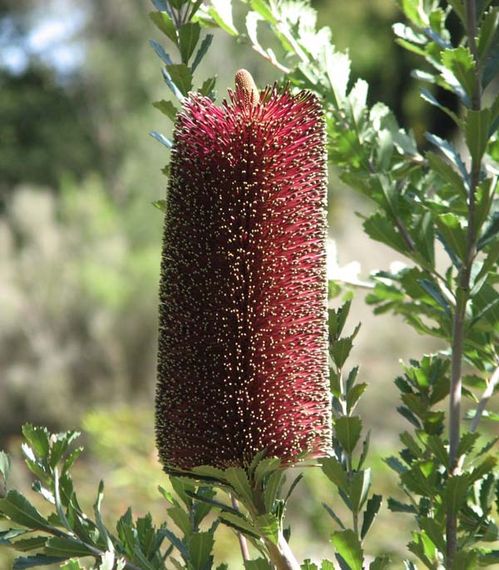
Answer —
(80, 240)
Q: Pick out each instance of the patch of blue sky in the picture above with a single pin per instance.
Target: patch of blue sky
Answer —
(52, 37)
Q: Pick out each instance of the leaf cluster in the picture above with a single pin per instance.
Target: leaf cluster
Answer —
(345, 468)
(68, 534)
(426, 202)
(179, 22)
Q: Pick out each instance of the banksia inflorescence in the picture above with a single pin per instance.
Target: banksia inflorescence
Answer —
(242, 364)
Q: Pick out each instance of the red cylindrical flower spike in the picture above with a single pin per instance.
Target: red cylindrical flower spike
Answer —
(242, 363)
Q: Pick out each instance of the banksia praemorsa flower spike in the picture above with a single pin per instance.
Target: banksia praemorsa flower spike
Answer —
(242, 364)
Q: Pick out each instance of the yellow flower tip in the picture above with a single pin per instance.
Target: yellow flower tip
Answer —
(245, 83)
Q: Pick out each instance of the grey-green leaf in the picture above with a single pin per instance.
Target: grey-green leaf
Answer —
(21, 511)
(188, 39)
(372, 508)
(348, 547)
(348, 431)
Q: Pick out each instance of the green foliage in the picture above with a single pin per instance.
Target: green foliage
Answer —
(39, 147)
(67, 532)
(345, 468)
(179, 21)
(427, 204)
(424, 201)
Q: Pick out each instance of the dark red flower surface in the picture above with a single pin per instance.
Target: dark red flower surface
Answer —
(242, 363)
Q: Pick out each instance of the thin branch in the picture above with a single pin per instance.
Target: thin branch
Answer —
(487, 394)
(462, 297)
(243, 543)
(281, 555)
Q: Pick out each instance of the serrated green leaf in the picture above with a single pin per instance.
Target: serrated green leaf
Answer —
(477, 132)
(212, 502)
(208, 86)
(37, 438)
(165, 24)
(239, 523)
(34, 561)
(459, 61)
(181, 519)
(490, 231)
(200, 545)
(396, 465)
(347, 545)
(488, 30)
(272, 488)
(354, 395)
(188, 37)
(436, 445)
(372, 508)
(21, 511)
(337, 319)
(203, 48)
(411, 444)
(209, 473)
(341, 347)
(467, 443)
(177, 543)
(347, 430)
(423, 548)
(399, 507)
(452, 234)
(432, 288)
(412, 10)
(358, 489)
(445, 170)
(456, 490)
(434, 531)
(485, 467)
(65, 548)
(167, 108)
(417, 481)
(379, 228)
(60, 443)
(268, 526)
(181, 76)
(70, 460)
(27, 544)
(238, 479)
